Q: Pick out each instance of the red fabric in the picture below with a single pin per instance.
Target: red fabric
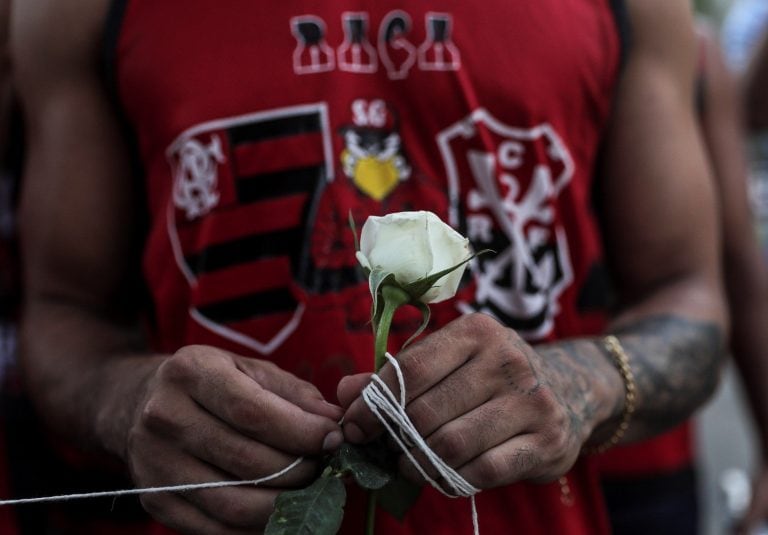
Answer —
(489, 114)
(666, 453)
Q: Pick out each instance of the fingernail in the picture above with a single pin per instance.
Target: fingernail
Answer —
(332, 440)
(353, 433)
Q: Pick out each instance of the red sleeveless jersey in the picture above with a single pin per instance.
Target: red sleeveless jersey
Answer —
(260, 127)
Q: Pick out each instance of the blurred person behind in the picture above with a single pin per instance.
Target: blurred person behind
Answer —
(745, 268)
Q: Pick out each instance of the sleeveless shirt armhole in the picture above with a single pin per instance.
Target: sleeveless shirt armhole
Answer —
(108, 70)
(113, 26)
(111, 36)
(623, 29)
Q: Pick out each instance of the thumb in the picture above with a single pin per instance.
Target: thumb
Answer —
(349, 388)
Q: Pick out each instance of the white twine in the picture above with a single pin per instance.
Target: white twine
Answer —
(153, 490)
(391, 412)
(381, 401)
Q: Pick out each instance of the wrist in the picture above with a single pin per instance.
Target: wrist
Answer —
(620, 382)
(117, 408)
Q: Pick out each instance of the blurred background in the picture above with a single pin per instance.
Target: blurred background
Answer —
(726, 440)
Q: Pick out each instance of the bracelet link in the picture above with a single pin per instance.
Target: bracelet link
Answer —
(621, 360)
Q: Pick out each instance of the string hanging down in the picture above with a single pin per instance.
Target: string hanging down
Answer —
(391, 412)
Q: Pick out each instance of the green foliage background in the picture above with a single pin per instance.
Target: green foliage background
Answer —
(713, 10)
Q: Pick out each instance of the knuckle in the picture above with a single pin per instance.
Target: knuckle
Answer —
(413, 367)
(154, 414)
(500, 467)
(263, 370)
(248, 413)
(421, 413)
(180, 367)
(523, 462)
(555, 441)
(450, 447)
(545, 402)
(479, 322)
(491, 469)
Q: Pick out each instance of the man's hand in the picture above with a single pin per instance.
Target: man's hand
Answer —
(490, 405)
(209, 415)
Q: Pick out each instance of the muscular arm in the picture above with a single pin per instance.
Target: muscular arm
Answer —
(198, 415)
(78, 229)
(661, 226)
(661, 230)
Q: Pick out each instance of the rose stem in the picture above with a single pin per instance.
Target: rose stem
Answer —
(393, 298)
(370, 519)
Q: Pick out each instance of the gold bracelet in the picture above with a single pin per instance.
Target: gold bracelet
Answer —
(620, 358)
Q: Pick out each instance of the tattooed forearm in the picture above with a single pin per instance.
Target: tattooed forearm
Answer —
(576, 378)
(676, 362)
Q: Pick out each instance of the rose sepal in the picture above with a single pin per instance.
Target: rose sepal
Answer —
(417, 289)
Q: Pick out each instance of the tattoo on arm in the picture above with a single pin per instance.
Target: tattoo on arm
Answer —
(676, 362)
(573, 368)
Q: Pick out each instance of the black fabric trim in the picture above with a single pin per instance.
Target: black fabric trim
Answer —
(251, 306)
(623, 28)
(140, 297)
(624, 32)
(112, 26)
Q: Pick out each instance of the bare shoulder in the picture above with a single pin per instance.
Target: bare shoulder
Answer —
(51, 39)
(662, 30)
(658, 199)
(78, 198)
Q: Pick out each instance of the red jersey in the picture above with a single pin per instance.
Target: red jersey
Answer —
(260, 129)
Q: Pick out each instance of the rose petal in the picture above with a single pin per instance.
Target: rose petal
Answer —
(449, 248)
(398, 243)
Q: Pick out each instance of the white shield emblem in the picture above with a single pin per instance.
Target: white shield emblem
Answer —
(504, 183)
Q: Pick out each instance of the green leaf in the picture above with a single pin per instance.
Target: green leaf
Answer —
(367, 473)
(398, 497)
(315, 510)
(354, 231)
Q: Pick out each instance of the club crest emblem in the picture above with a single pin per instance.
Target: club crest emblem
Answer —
(244, 192)
(509, 180)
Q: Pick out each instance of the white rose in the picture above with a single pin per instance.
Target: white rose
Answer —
(412, 246)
